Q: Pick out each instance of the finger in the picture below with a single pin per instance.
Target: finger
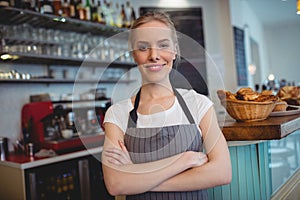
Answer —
(112, 155)
(126, 156)
(203, 159)
(114, 150)
(114, 162)
(119, 156)
(122, 145)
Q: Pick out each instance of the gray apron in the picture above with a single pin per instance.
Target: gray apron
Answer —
(150, 144)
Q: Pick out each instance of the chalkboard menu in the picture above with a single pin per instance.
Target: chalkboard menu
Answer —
(192, 68)
(240, 58)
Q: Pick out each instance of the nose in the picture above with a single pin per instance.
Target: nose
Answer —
(154, 54)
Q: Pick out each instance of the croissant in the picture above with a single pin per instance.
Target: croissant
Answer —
(247, 94)
(289, 92)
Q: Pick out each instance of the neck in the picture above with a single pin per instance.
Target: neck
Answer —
(154, 90)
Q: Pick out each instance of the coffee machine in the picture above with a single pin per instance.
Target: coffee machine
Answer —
(64, 126)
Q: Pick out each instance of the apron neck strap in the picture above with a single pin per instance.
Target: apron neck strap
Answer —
(133, 113)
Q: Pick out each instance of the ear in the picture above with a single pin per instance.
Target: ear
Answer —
(175, 51)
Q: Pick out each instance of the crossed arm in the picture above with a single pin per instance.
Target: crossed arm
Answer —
(183, 172)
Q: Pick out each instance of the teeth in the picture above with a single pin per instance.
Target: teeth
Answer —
(155, 67)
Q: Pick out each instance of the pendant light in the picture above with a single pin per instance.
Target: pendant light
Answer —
(298, 7)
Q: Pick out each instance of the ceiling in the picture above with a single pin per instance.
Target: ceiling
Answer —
(272, 12)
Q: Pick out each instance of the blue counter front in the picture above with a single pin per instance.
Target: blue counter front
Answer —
(264, 169)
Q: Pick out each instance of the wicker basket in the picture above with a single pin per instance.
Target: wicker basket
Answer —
(248, 111)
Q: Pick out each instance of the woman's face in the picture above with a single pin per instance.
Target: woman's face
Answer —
(153, 51)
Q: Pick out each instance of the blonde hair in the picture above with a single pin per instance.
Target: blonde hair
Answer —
(161, 17)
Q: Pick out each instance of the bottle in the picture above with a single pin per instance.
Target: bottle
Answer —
(105, 12)
(123, 16)
(3, 148)
(36, 6)
(100, 15)
(57, 7)
(94, 13)
(128, 11)
(65, 9)
(87, 8)
(108, 13)
(73, 9)
(117, 16)
(132, 16)
(70, 122)
(81, 11)
(46, 7)
(55, 124)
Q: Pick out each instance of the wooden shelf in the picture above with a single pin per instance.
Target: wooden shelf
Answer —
(58, 60)
(15, 16)
(58, 81)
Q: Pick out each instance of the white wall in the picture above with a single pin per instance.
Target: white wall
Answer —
(279, 44)
(284, 50)
(243, 17)
(218, 42)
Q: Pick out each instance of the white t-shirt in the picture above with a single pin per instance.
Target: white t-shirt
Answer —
(198, 105)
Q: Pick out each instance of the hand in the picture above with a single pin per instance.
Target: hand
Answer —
(118, 156)
(196, 159)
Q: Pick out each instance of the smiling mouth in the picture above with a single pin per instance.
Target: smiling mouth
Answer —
(154, 67)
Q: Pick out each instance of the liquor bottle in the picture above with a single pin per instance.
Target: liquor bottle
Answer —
(94, 13)
(105, 12)
(46, 7)
(117, 16)
(123, 16)
(65, 9)
(73, 9)
(100, 15)
(81, 11)
(132, 16)
(128, 11)
(57, 7)
(36, 5)
(88, 10)
(108, 13)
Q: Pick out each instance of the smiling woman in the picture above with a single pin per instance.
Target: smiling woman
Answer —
(154, 141)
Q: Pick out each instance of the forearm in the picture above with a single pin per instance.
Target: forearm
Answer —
(202, 177)
(217, 171)
(139, 178)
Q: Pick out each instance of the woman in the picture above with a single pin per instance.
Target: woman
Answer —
(154, 141)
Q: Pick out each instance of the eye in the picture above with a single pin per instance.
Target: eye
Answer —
(142, 47)
(164, 45)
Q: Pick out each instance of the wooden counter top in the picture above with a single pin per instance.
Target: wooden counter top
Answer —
(271, 128)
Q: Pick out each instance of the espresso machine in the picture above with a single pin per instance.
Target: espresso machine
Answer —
(64, 126)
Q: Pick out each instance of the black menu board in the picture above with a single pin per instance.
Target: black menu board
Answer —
(240, 58)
